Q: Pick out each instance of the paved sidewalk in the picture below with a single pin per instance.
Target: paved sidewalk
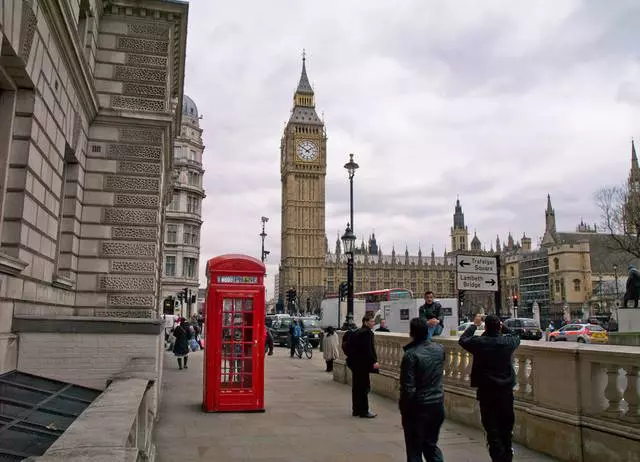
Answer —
(308, 418)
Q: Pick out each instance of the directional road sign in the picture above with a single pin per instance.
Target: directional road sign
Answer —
(475, 264)
(477, 273)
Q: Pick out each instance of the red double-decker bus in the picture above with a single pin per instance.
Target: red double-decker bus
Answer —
(385, 295)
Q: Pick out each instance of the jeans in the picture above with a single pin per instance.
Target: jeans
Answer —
(497, 416)
(421, 432)
(434, 330)
(360, 387)
(294, 343)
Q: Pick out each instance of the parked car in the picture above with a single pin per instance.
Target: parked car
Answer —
(527, 329)
(312, 330)
(280, 330)
(462, 327)
(582, 333)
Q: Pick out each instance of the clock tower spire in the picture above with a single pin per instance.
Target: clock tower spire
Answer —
(303, 165)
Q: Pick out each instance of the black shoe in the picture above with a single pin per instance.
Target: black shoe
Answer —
(369, 415)
(355, 414)
(186, 367)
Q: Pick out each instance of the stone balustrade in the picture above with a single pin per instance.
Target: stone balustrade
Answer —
(116, 427)
(574, 402)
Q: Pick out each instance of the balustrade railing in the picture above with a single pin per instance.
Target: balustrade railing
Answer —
(597, 381)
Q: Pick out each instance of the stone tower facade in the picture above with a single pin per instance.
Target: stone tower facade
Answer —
(459, 232)
(631, 219)
(183, 216)
(90, 99)
(303, 167)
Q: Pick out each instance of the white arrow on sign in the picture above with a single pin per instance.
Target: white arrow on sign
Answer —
(485, 282)
(474, 264)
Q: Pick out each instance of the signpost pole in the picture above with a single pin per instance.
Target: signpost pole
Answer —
(498, 294)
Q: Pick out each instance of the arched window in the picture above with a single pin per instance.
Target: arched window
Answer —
(512, 272)
(556, 264)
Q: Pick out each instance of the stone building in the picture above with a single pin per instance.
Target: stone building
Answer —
(374, 270)
(183, 216)
(303, 167)
(567, 275)
(90, 103)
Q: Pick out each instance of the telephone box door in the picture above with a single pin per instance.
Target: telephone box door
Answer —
(240, 383)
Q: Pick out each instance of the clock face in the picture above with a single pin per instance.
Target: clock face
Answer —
(307, 150)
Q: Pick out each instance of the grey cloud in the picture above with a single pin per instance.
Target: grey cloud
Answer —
(499, 102)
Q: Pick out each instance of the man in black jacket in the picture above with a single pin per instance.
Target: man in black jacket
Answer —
(493, 375)
(362, 361)
(432, 312)
(422, 394)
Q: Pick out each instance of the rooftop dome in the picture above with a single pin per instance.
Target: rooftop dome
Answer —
(189, 108)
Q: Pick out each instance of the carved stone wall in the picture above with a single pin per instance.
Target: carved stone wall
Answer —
(136, 50)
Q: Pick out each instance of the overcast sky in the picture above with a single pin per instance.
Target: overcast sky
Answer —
(499, 102)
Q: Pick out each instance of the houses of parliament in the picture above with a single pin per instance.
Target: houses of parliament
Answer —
(568, 274)
(307, 263)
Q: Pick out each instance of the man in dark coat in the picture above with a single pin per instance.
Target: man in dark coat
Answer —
(432, 312)
(422, 394)
(362, 361)
(181, 345)
(632, 291)
(493, 375)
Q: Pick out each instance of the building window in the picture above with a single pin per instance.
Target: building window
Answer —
(512, 271)
(189, 267)
(576, 285)
(170, 266)
(191, 235)
(194, 179)
(193, 204)
(192, 155)
(177, 152)
(558, 286)
(173, 205)
(172, 234)
(556, 264)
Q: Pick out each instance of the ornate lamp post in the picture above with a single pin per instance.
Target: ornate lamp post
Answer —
(263, 234)
(351, 167)
(349, 241)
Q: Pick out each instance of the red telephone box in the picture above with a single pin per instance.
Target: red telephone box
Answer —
(234, 356)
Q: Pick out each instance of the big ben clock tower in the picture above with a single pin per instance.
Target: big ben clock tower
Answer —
(303, 166)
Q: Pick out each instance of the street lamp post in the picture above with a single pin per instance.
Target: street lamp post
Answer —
(348, 241)
(615, 272)
(351, 167)
(263, 234)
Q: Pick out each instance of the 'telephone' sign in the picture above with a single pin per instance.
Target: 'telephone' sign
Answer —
(237, 279)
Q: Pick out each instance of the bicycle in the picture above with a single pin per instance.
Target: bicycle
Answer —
(304, 346)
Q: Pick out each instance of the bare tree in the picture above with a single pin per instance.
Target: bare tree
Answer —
(620, 213)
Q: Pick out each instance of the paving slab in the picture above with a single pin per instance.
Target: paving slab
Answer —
(307, 419)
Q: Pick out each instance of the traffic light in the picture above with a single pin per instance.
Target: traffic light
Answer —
(344, 290)
(193, 299)
(515, 301)
(461, 296)
(167, 308)
(179, 295)
(294, 295)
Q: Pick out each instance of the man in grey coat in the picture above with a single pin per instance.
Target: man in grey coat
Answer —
(422, 394)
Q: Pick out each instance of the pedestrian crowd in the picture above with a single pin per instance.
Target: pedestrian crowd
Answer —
(185, 336)
(421, 379)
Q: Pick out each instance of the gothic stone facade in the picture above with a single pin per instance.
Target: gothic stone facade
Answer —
(303, 166)
(90, 97)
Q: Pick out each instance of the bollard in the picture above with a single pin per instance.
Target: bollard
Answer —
(321, 341)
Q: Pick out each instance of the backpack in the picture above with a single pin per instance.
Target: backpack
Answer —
(347, 340)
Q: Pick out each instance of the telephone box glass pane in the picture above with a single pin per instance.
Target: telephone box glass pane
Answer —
(237, 344)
